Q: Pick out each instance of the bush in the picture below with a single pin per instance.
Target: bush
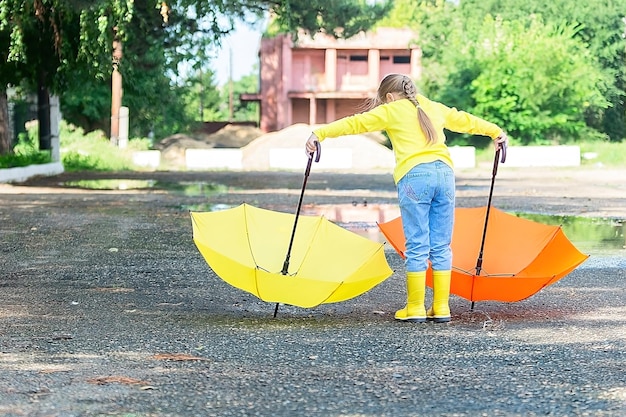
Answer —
(26, 152)
(93, 151)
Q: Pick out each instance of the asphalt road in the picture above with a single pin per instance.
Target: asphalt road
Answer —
(108, 309)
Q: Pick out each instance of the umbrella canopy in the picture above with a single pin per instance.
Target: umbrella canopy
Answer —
(246, 247)
(519, 257)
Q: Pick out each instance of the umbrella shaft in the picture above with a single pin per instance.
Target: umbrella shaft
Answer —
(295, 222)
(479, 261)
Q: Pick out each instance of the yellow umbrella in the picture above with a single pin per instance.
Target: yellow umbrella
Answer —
(246, 247)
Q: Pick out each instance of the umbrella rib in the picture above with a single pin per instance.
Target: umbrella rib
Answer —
(245, 219)
(270, 272)
(473, 270)
(306, 253)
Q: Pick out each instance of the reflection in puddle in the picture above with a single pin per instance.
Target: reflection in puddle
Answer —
(589, 235)
(190, 189)
(112, 184)
(354, 213)
(204, 207)
(593, 236)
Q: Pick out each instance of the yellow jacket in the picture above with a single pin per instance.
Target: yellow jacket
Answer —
(399, 119)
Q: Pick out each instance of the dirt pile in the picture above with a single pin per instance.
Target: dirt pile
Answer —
(231, 136)
(365, 150)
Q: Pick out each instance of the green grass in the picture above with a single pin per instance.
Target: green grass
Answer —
(94, 151)
(25, 152)
(79, 151)
(610, 154)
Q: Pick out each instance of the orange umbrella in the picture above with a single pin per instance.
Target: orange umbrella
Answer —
(520, 257)
(502, 258)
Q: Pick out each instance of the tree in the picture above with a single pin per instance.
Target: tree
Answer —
(246, 111)
(203, 98)
(577, 52)
(601, 28)
(67, 44)
(538, 82)
(49, 42)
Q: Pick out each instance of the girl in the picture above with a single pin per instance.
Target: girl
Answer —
(424, 178)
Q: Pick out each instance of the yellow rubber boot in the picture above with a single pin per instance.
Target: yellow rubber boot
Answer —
(440, 311)
(414, 310)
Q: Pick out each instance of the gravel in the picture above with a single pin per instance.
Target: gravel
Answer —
(108, 309)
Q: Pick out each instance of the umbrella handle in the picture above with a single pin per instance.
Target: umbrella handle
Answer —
(501, 155)
(317, 153)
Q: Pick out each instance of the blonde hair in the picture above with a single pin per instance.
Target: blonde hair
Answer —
(404, 87)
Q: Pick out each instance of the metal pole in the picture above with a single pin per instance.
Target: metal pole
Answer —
(307, 171)
(479, 261)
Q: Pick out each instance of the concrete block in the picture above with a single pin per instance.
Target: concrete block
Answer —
(149, 159)
(295, 158)
(226, 158)
(463, 156)
(543, 156)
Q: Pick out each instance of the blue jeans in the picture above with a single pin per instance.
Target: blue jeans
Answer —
(426, 196)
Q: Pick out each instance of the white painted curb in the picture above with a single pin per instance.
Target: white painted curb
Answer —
(20, 174)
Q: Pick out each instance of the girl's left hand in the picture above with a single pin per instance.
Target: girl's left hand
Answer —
(502, 141)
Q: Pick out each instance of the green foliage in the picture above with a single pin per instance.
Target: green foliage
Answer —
(538, 81)
(79, 151)
(26, 152)
(555, 73)
(242, 112)
(547, 72)
(93, 151)
(50, 41)
(66, 46)
(341, 18)
(599, 29)
(202, 97)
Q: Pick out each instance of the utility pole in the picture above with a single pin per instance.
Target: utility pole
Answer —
(230, 85)
(116, 89)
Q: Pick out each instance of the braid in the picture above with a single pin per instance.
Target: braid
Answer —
(408, 88)
(427, 125)
(403, 86)
(410, 91)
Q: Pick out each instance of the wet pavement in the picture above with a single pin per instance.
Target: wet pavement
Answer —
(108, 309)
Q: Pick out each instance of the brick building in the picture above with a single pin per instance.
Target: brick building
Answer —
(320, 78)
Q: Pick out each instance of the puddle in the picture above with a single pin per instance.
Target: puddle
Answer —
(589, 235)
(593, 236)
(191, 189)
(112, 184)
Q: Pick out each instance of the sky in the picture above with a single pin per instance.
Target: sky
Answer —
(244, 44)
